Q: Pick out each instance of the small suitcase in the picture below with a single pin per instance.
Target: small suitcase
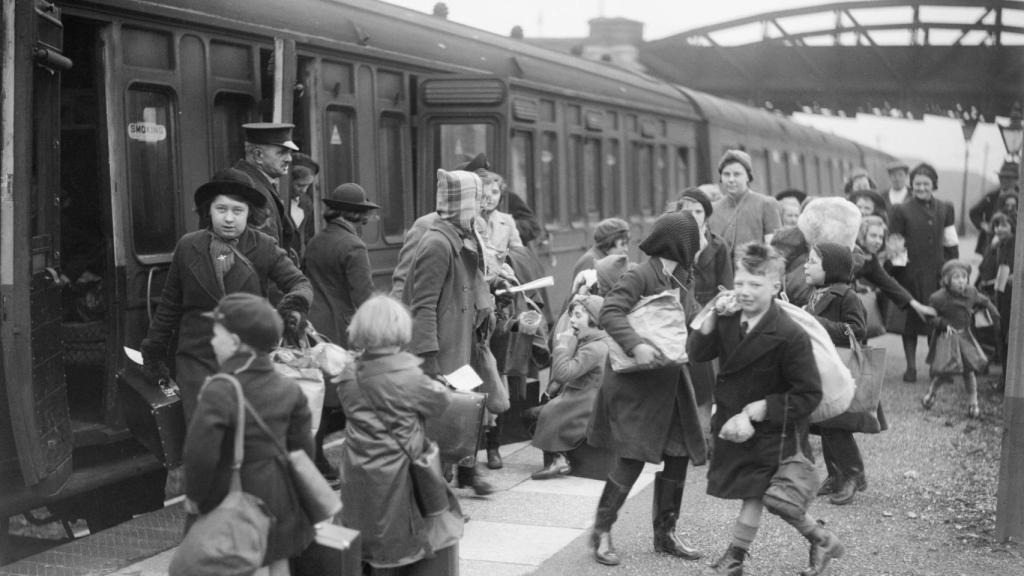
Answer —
(153, 414)
(336, 551)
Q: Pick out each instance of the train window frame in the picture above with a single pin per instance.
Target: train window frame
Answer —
(642, 181)
(329, 168)
(552, 213)
(522, 170)
(436, 125)
(387, 195)
(173, 205)
(221, 133)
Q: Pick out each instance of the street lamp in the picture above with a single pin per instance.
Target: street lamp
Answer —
(1013, 135)
(968, 122)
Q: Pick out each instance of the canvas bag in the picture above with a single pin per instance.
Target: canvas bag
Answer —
(793, 486)
(867, 365)
(837, 384)
(231, 539)
(661, 321)
(947, 360)
(299, 364)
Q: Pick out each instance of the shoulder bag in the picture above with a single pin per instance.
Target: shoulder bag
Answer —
(231, 539)
(795, 482)
(867, 365)
(317, 498)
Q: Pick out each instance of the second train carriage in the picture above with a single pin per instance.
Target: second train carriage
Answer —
(120, 109)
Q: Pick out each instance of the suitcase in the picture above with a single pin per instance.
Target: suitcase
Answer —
(153, 414)
(336, 551)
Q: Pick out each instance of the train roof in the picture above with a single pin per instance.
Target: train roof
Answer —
(385, 31)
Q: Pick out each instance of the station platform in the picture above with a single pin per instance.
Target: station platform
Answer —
(511, 532)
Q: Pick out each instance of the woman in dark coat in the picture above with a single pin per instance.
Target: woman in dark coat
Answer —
(244, 329)
(386, 397)
(928, 227)
(223, 257)
(648, 415)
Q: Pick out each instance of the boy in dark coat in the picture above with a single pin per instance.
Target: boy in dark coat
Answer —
(768, 384)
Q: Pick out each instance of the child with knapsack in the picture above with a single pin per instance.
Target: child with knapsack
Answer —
(956, 302)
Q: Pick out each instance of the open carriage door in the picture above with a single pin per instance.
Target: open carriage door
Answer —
(458, 118)
(33, 368)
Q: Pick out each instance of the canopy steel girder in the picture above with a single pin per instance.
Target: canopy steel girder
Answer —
(841, 9)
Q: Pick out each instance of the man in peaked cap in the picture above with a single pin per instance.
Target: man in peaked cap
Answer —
(898, 171)
(982, 212)
(268, 156)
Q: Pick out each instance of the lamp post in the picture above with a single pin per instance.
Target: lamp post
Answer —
(968, 122)
(1010, 498)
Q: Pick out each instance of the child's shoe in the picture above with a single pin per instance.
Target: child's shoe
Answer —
(972, 410)
(928, 401)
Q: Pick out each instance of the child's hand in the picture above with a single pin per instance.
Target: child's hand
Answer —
(726, 303)
(645, 354)
(737, 429)
(756, 411)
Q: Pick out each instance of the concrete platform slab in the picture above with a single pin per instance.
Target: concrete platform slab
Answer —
(513, 543)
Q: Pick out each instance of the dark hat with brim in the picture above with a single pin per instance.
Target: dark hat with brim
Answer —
(872, 195)
(349, 196)
(276, 133)
(230, 182)
(479, 161)
(799, 195)
(251, 318)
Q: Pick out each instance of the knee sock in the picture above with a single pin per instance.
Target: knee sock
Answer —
(805, 524)
(675, 468)
(626, 472)
(743, 535)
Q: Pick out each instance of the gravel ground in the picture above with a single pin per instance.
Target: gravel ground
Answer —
(929, 509)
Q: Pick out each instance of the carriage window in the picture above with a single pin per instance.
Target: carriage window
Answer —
(152, 174)
(577, 210)
(682, 168)
(521, 172)
(339, 146)
(643, 169)
(614, 161)
(660, 178)
(230, 111)
(391, 194)
(458, 143)
(593, 189)
(549, 176)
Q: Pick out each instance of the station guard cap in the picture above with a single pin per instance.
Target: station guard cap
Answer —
(276, 133)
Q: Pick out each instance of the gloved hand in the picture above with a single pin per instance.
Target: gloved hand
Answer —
(430, 366)
(154, 361)
(293, 313)
(499, 288)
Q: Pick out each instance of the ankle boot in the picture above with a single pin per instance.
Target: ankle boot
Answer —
(612, 498)
(668, 497)
(730, 564)
(492, 443)
(558, 466)
(468, 477)
(825, 546)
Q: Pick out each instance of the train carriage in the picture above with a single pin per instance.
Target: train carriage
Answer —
(115, 111)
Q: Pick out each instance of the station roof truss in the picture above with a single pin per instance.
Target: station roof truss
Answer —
(894, 57)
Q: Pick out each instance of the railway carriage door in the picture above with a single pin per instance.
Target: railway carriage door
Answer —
(458, 118)
(30, 260)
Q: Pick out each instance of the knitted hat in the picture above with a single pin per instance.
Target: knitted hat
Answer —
(457, 192)
(609, 227)
(697, 195)
(251, 318)
(830, 220)
(609, 269)
(740, 156)
(836, 261)
(952, 265)
(674, 236)
(925, 170)
(591, 303)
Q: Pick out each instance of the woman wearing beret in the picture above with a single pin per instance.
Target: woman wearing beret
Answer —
(648, 415)
(223, 257)
(928, 226)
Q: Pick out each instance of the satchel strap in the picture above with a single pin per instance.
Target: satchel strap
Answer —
(239, 448)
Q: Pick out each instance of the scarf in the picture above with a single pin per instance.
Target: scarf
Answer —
(222, 253)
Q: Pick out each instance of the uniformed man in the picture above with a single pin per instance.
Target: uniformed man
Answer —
(268, 156)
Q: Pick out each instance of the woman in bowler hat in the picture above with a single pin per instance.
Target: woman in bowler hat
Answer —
(224, 256)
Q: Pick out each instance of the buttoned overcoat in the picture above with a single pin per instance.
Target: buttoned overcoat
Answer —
(338, 267)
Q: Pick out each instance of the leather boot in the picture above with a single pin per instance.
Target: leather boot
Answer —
(845, 492)
(730, 564)
(668, 497)
(828, 486)
(612, 498)
(468, 477)
(492, 443)
(825, 546)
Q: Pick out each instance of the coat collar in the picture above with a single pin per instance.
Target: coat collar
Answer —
(386, 364)
(834, 290)
(761, 340)
(343, 224)
(244, 361)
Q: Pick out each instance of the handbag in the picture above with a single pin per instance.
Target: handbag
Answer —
(874, 324)
(525, 332)
(794, 483)
(429, 487)
(315, 495)
(983, 318)
(947, 359)
(494, 386)
(660, 320)
(457, 430)
(867, 365)
(231, 539)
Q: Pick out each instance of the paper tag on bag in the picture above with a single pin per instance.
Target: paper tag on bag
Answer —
(464, 379)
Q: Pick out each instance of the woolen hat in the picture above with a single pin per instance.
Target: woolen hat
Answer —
(609, 227)
(952, 265)
(836, 261)
(925, 169)
(230, 182)
(674, 236)
(251, 318)
(739, 156)
(276, 133)
(1009, 170)
(349, 196)
(896, 165)
(609, 269)
(479, 161)
(592, 304)
(697, 195)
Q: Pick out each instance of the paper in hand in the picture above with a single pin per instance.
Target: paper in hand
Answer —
(464, 379)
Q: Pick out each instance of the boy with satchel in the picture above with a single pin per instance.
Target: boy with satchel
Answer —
(767, 386)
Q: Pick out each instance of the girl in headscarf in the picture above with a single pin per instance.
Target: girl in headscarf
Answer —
(648, 415)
